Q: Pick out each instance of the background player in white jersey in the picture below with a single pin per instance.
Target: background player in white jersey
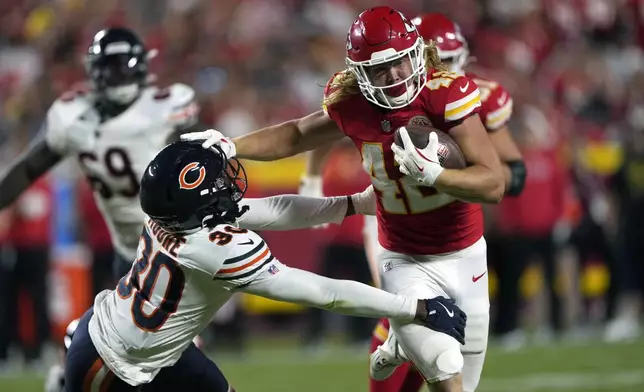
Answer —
(191, 259)
(114, 129)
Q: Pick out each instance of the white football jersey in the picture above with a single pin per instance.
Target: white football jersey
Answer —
(173, 291)
(114, 153)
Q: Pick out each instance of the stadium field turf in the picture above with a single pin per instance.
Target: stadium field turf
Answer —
(279, 366)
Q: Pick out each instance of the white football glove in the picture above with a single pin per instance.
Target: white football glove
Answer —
(365, 201)
(421, 165)
(213, 137)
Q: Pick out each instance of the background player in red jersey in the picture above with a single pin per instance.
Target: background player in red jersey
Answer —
(393, 80)
(496, 109)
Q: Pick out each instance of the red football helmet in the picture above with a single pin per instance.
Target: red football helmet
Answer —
(452, 47)
(382, 35)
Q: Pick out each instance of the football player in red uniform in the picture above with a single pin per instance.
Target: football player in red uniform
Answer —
(431, 233)
(495, 111)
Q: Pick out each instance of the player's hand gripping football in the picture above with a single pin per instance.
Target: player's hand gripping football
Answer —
(419, 164)
(443, 315)
(210, 138)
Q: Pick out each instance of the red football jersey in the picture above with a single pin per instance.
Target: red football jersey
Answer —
(413, 219)
(496, 102)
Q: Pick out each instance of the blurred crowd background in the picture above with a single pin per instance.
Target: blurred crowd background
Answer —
(566, 255)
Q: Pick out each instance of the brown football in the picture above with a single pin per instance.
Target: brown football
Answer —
(450, 155)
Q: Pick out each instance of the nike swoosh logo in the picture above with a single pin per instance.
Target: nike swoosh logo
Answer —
(476, 278)
(420, 169)
(249, 242)
(464, 88)
(450, 313)
(501, 100)
(424, 157)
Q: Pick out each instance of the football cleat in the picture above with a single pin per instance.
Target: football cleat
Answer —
(386, 358)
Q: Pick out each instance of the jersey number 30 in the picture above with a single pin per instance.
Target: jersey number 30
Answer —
(153, 301)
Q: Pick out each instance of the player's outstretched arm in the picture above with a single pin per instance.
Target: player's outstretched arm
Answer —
(292, 212)
(283, 283)
(25, 170)
(277, 141)
(289, 138)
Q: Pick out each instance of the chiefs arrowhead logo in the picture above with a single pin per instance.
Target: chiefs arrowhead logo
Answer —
(410, 27)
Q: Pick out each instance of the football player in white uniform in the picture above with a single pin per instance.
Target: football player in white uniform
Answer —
(114, 129)
(191, 258)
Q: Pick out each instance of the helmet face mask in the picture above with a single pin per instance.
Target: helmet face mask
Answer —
(116, 63)
(446, 35)
(396, 94)
(455, 64)
(380, 41)
(186, 188)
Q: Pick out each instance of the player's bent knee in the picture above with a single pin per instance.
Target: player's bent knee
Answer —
(437, 356)
(450, 361)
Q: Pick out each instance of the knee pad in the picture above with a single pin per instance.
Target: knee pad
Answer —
(436, 355)
(450, 361)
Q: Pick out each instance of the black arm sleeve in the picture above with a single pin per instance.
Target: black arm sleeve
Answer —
(519, 173)
(25, 170)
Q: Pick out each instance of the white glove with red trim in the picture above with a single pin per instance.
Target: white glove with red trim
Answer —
(213, 137)
(419, 164)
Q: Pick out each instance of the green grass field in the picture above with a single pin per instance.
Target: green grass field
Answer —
(596, 367)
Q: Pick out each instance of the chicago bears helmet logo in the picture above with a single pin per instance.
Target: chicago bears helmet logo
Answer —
(183, 181)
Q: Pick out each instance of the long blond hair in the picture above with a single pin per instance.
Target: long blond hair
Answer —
(345, 83)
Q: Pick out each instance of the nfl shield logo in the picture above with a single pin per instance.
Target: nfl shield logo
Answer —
(386, 125)
(273, 269)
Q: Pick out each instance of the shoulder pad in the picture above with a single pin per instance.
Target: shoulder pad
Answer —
(497, 109)
(63, 115)
(248, 254)
(330, 87)
(224, 251)
(463, 99)
(175, 94)
(184, 110)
